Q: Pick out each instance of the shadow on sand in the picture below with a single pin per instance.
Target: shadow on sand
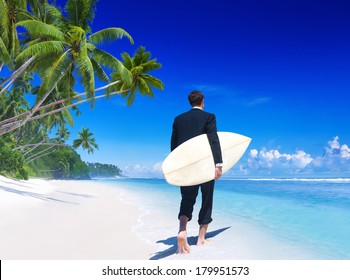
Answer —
(34, 195)
(173, 242)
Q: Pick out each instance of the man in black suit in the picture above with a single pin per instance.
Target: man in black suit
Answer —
(186, 126)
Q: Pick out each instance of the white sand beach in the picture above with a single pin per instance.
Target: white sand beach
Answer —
(67, 220)
(95, 220)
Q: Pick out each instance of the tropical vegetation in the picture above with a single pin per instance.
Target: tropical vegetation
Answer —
(98, 170)
(45, 51)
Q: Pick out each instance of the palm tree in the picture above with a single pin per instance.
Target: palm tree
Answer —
(62, 47)
(9, 44)
(11, 11)
(139, 66)
(85, 141)
(58, 46)
(62, 134)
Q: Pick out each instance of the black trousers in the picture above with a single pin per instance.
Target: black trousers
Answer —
(189, 195)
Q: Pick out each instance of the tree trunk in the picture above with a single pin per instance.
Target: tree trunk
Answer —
(16, 74)
(72, 105)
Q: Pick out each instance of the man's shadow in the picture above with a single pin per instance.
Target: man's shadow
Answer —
(173, 242)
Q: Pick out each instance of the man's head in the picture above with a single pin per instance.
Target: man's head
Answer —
(196, 98)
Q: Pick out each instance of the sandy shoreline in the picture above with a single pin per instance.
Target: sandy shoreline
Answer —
(67, 220)
(100, 220)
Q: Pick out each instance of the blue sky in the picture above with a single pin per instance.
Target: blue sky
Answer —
(276, 71)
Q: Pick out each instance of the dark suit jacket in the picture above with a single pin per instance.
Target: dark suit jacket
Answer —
(193, 123)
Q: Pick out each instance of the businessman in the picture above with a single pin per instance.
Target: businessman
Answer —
(186, 126)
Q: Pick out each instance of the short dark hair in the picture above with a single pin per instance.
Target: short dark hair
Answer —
(195, 98)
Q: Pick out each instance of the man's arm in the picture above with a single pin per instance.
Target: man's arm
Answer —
(215, 145)
(173, 142)
(214, 140)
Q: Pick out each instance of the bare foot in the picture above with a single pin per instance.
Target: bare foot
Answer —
(201, 242)
(182, 245)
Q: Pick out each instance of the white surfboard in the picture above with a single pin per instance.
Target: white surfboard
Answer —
(192, 163)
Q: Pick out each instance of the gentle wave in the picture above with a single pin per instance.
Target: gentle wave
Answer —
(334, 180)
(341, 180)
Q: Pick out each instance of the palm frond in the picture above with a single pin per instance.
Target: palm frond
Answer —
(109, 35)
(37, 28)
(21, 4)
(25, 15)
(5, 56)
(100, 73)
(86, 71)
(54, 74)
(41, 63)
(4, 21)
(77, 34)
(68, 117)
(131, 97)
(81, 12)
(37, 8)
(125, 74)
(151, 65)
(42, 49)
(144, 88)
(15, 47)
(77, 143)
(137, 70)
(122, 88)
(138, 56)
(55, 17)
(104, 58)
(66, 86)
(90, 47)
(153, 81)
(128, 63)
(29, 42)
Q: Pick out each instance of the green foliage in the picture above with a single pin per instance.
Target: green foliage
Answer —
(65, 163)
(61, 46)
(86, 141)
(11, 162)
(38, 28)
(8, 32)
(109, 35)
(60, 49)
(99, 170)
(139, 67)
(81, 12)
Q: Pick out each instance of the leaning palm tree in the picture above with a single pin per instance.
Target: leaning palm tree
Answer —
(138, 67)
(63, 47)
(85, 141)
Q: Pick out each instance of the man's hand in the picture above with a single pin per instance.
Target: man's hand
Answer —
(218, 172)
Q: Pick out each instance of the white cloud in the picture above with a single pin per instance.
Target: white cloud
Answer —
(333, 144)
(335, 162)
(336, 149)
(143, 171)
(270, 160)
(345, 151)
(336, 157)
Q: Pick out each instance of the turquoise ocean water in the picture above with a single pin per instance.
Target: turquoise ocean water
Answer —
(273, 218)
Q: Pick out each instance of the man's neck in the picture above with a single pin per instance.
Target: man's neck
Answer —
(197, 107)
